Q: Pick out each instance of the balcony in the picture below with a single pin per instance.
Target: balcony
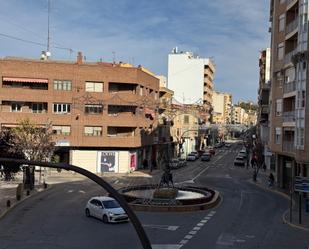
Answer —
(288, 56)
(288, 146)
(291, 27)
(290, 3)
(289, 87)
(289, 117)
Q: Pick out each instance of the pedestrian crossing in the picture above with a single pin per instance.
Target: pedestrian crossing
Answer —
(230, 151)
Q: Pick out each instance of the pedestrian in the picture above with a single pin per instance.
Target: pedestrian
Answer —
(264, 166)
(271, 180)
(252, 161)
(145, 163)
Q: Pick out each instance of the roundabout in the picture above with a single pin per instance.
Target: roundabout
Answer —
(150, 197)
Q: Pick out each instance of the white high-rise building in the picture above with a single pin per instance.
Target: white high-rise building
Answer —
(191, 77)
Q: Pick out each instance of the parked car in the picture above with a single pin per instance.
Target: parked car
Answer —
(105, 208)
(206, 157)
(195, 153)
(239, 161)
(182, 162)
(228, 145)
(191, 157)
(211, 151)
(174, 163)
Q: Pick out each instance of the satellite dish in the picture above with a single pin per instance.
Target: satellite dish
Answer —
(48, 54)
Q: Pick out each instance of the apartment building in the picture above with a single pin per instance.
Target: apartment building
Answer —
(289, 140)
(222, 108)
(104, 115)
(191, 78)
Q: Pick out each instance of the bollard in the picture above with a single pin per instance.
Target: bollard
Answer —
(19, 192)
(28, 192)
(8, 203)
(45, 185)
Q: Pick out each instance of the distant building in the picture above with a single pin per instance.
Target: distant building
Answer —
(222, 108)
(191, 78)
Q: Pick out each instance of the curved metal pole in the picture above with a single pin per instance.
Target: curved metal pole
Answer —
(135, 221)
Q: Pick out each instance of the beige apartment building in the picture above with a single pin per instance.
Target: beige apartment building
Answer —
(104, 115)
(222, 108)
(289, 136)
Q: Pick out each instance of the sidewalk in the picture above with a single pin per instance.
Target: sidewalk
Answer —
(262, 181)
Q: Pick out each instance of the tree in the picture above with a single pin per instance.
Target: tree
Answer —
(8, 169)
(34, 143)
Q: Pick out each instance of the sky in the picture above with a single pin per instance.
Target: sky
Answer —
(144, 32)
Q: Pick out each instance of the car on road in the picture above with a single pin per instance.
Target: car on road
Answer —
(206, 157)
(212, 151)
(242, 154)
(174, 163)
(105, 208)
(191, 157)
(239, 161)
(182, 162)
(196, 154)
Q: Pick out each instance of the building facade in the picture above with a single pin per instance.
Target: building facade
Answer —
(104, 116)
(191, 78)
(222, 108)
(289, 140)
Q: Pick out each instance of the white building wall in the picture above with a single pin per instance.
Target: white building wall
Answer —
(86, 159)
(218, 102)
(186, 76)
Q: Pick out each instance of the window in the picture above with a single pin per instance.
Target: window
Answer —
(301, 136)
(278, 135)
(62, 85)
(141, 89)
(95, 131)
(281, 22)
(16, 107)
(278, 107)
(62, 130)
(93, 109)
(186, 119)
(62, 108)
(280, 51)
(38, 107)
(93, 86)
(303, 99)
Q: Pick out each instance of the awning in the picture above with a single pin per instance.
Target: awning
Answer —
(25, 80)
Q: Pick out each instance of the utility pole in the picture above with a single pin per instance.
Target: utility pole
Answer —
(48, 30)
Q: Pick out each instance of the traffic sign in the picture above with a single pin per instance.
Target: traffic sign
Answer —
(301, 184)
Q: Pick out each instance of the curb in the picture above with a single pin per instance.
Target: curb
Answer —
(285, 221)
(21, 201)
(217, 200)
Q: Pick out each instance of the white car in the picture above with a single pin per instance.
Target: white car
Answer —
(105, 208)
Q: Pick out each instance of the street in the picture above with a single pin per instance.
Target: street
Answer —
(247, 217)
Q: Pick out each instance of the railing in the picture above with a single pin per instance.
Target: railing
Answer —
(288, 146)
(289, 87)
(289, 116)
(288, 56)
(288, 2)
(291, 26)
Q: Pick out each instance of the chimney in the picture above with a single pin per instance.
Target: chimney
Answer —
(79, 58)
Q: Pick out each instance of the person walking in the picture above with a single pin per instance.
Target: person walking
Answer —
(271, 180)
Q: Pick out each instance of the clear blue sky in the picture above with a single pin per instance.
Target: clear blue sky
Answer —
(144, 32)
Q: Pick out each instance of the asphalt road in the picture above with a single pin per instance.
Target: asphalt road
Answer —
(248, 217)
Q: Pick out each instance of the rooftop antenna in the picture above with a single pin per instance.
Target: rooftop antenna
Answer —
(48, 31)
(114, 57)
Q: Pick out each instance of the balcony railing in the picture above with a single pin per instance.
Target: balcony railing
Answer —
(288, 146)
(288, 56)
(291, 26)
(289, 116)
(289, 87)
(288, 2)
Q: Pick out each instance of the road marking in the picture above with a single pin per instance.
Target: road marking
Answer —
(81, 191)
(192, 232)
(184, 241)
(200, 224)
(70, 191)
(204, 221)
(196, 228)
(163, 227)
(188, 237)
(166, 246)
